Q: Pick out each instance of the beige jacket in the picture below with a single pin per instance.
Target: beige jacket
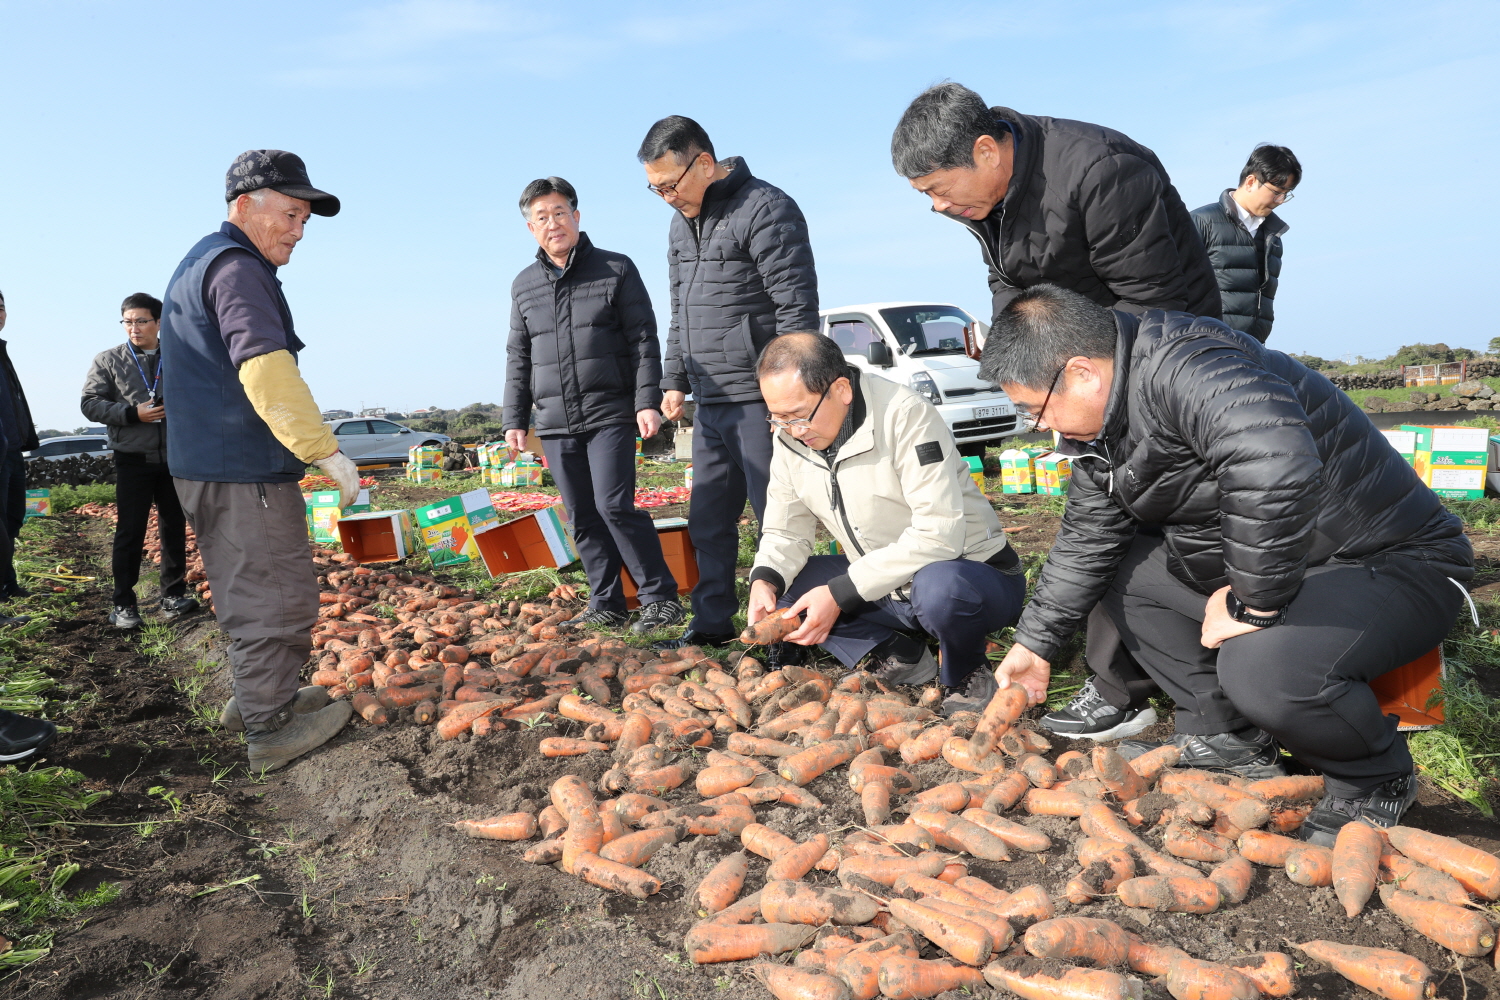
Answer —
(898, 498)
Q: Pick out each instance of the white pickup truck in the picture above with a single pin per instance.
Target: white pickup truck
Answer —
(922, 345)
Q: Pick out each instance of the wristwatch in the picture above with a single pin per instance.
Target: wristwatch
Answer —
(1245, 616)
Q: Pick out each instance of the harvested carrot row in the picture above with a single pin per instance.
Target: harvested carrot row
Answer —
(1389, 973)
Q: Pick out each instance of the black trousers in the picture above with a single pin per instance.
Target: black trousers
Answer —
(12, 513)
(1306, 681)
(138, 485)
(595, 472)
(731, 463)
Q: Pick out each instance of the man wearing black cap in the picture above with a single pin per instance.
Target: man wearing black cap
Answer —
(246, 428)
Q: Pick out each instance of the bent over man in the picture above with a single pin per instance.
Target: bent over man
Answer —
(1262, 550)
(875, 464)
(245, 427)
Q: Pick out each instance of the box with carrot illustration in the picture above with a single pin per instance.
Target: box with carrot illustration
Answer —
(323, 513)
(38, 503)
(447, 528)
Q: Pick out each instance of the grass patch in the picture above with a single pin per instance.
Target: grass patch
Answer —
(66, 498)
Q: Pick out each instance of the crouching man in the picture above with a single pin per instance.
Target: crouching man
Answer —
(922, 550)
(1262, 550)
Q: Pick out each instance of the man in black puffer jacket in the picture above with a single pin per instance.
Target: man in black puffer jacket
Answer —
(1243, 236)
(741, 271)
(1262, 550)
(583, 351)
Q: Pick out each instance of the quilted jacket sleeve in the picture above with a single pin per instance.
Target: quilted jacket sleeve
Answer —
(782, 251)
(638, 323)
(673, 375)
(517, 371)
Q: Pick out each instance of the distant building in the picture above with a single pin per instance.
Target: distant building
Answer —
(373, 411)
(420, 413)
(337, 414)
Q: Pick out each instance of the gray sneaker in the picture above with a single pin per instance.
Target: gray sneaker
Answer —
(287, 736)
(125, 617)
(306, 700)
(1254, 757)
(902, 660)
(176, 607)
(1089, 716)
(659, 614)
(973, 695)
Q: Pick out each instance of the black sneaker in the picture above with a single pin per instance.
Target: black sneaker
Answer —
(22, 736)
(973, 695)
(1089, 716)
(1255, 756)
(176, 607)
(600, 617)
(659, 614)
(14, 591)
(692, 637)
(902, 659)
(785, 654)
(1382, 806)
(125, 617)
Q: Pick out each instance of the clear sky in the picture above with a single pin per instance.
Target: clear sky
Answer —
(427, 117)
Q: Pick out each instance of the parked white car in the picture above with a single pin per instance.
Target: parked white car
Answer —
(368, 440)
(55, 448)
(921, 344)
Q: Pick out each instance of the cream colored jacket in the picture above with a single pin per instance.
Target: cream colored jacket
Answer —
(897, 498)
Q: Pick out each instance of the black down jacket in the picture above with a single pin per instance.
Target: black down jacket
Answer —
(1251, 465)
(582, 345)
(1247, 266)
(1093, 211)
(741, 273)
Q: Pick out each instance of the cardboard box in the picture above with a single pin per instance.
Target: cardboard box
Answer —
(1405, 443)
(687, 478)
(1053, 472)
(1457, 482)
(1444, 445)
(526, 471)
(323, 513)
(1413, 692)
(424, 456)
(533, 541)
(1017, 472)
(38, 503)
(447, 528)
(682, 559)
(379, 535)
(976, 470)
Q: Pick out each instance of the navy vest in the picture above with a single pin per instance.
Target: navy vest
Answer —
(217, 437)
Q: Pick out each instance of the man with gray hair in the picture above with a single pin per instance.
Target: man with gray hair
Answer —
(245, 428)
(1262, 550)
(922, 550)
(741, 272)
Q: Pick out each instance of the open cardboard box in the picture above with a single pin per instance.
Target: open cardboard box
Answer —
(537, 540)
(682, 559)
(1405, 692)
(378, 536)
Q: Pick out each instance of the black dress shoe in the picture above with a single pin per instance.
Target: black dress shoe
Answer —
(692, 637)
(22, 736)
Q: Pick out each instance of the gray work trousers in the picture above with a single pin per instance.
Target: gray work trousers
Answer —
(253, 538)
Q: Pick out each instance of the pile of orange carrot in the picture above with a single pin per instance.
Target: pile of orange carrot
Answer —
(697, 744)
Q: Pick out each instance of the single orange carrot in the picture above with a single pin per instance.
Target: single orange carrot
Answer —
(1177, 894)
(706, 943)
(959, 753)
(925, 745)
(965, 940)
(1036, 979)
(741, 911)
(799, 903)
(1006, 792)
(614, 876)
(1005, 708)
(1475, 870)
(1000, 931)
(1102, 942)
(635, 849)
(958, 834)
(1194, 979)
(1356, 857)
(1117, 774)
(1389, 973)
(1410, 876)
(1267, 848)
(786, 983)
(1037, 770)
(802, 767)
(885, 871)
(798, 860)
(1454, 927)
(1104, 869)
(722, 885)
(1273, 973)
(766, 842)
(512, 826)
(713, 781)
(1026, 906)
(1023, 838)
(860, 968)
(1285, 819)
(988, 895)
(1054, 802)
(1152, 959)
(1187, 841)
(461, 718)
(950, 797)
(1233, 879)
(1099, 820)
(1310, 865)
(774, 627)
(1290, 788)
(563, 746)
(367, 707)
(1245, 811)
(1152, 763)
(903, 978)
(936, 888)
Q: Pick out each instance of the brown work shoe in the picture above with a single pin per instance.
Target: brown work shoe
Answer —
(288, 736)
(308, 699)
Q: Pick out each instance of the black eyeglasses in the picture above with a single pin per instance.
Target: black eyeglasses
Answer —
(798, 423)
(1033, 417)
(671, 188)
(137, 322)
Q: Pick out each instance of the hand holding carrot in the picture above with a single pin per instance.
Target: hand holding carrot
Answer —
(1022, 666)
(822, 612)
(762, 601)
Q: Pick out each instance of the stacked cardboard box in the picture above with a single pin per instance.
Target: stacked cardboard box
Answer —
(1453, 461)
(1018, 469)
(1053, 473)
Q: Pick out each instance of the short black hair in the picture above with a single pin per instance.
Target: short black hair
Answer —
(818, 360)
(1039, 330)
(937, 131)
(1274, 165)
(543, 186)
(678, 135)
(140, 300)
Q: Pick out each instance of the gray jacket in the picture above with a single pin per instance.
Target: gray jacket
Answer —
(741, 273)
(111, 393)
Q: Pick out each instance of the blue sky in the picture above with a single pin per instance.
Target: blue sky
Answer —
(427, 117)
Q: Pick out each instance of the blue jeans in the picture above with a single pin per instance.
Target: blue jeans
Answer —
(959, 602)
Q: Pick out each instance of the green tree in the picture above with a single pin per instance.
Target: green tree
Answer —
(1422, 354)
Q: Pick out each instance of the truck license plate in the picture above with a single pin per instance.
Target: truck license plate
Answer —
(980, 412)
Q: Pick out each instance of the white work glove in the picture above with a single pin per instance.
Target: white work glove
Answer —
(343, 471)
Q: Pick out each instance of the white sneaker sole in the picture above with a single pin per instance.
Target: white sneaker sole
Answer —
(1124, 730)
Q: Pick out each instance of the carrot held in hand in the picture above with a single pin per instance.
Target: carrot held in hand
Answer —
(1038, 979)
(1453, 927)
(513, 826)
(1475, 870)
(1003, 711)
(774, 627)
(1356, 857)
(1388, 973)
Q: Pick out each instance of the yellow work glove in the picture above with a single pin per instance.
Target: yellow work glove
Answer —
(283, 401)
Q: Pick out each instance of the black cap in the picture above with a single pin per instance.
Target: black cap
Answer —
(280, 171)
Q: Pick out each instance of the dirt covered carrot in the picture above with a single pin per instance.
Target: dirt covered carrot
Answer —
(1023, 838)
(1453, 927)
(1267, 848)
(1356, 859)
(804, 766)
(1388, 973)
(1152, 763)
(799, 859)
(904, 978)
(1026, 906)
(1410, 876)
(1289, 788)
(1004, 710)
(1117, 774)
(1177, 894)
(1310, 865)
(708, 943)
(860, 968)
(563, 746)
(1233, 879)
(965, 940)
(1273, 973)
(368, 708)
(1102, 942)
(635, 849)
(786, 983)
(722, 885)
(774, 627)
(614, 876)
(1045, 979)
(512, 826)
(799, 903)
(1194, 979)
(1475, 870)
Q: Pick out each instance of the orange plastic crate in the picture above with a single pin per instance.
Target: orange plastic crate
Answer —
(1406, 691)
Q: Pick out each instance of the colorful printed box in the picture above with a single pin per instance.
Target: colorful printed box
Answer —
(535, 540)
(1053, 471)
(323, 513)
(1017, 472)
(424, 456)
(447, 528)
(38, 503)
(416, 475)
(976, 470)
(1405, 443)
(1457, 482)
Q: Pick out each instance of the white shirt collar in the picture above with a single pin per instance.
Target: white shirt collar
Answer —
(1250, 222)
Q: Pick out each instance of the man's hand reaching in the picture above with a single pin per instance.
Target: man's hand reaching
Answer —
(822, 612)
(343, 471)
(763, 599)
(1022, 666)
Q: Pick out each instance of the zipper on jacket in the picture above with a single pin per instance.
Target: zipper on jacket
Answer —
(261, 489)
(837, 496)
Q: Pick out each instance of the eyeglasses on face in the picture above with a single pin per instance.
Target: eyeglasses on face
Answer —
(798, 423)
(666, 190)
(1032, 417)
(138, 322)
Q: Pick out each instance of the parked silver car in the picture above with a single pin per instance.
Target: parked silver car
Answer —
(368, 440)
(66, 447)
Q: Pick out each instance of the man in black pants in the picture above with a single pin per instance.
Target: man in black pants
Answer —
(1261, 549)
(583, 352)
(741, 271)
(17, 435)
(123, 391)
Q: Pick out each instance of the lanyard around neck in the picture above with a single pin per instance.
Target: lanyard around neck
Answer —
(150, 383)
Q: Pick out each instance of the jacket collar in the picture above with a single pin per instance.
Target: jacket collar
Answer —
(1273, 226)
(861, 437)
(723, 190)
(1114, 409)
(238, 235)
(580, 250)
